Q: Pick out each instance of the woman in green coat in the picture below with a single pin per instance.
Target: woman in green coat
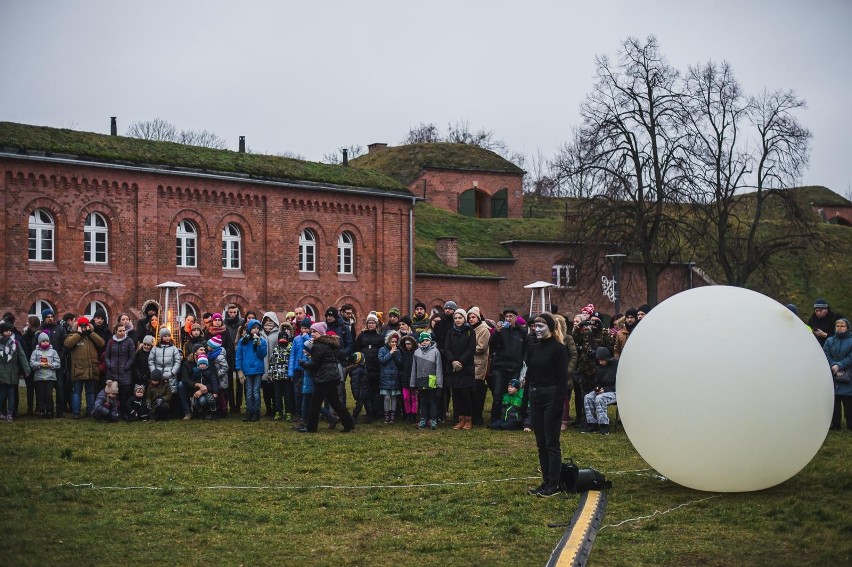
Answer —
(13, 367)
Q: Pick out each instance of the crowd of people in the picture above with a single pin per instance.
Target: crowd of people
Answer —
(425, 368)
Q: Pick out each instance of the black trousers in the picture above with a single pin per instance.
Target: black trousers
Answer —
(844, 402)
(44, 391)
(327, 391)
(546, 412)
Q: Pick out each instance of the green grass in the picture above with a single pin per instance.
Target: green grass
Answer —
(273, 509)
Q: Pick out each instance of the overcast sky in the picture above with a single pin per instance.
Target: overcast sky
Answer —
(307, 77)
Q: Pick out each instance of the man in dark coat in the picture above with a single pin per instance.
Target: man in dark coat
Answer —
(823, 320)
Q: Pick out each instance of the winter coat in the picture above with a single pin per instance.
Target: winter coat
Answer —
(141, 371)
(587, 343)
(159, 392)
(167, 359)
(219, 361)
(427, 362)
(206, 377)
(297, 353)
(368, 343)
(825, 324)
(324, 361)
(251, 352)
(102, 401)
(838, 350)
(84, 355)
(512, 411)
(344, 332)
(407, 361)
(13, 361)
(509, 345)
(118, 356)
(271, 341)
(229, 339)
(389, 376)
(53, 362)
(359, 383)
(459, 345)
(481, 350)
(605, 375)
(104, 333)
(280, 362)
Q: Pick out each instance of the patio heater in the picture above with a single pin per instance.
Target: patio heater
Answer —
(170, 309)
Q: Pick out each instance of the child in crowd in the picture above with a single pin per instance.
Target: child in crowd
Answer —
(294, 369)
(107, 406)
(218, 358)
(390, 359)
(45, 362)
(308, 393)
(408, 345)
(278, 369)
(137, 409)
(204, 388)
(158, 396)
(360, 385)
(512, 410)
(13, 366)
(428, 377)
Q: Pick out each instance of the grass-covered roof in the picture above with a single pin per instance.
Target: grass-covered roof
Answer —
(405, 163)
(121, 149)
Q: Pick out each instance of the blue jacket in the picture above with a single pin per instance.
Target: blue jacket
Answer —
(251, 355)
(297, 353)
(838, 350)
(389, 377)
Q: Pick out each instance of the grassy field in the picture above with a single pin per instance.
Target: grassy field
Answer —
(233, 493)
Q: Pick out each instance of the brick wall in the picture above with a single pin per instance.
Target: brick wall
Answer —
(143, 210)
(443, 188)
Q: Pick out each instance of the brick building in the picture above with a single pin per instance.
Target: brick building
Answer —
(89, 222)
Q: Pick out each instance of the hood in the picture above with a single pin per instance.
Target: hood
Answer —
(331, 340)
(252, 323)
(271, 315)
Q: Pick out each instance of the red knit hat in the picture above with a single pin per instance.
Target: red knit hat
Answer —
(82, 321)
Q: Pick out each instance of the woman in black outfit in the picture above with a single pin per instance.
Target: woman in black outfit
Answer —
(546, 384)
(458, 350)
(323, 365)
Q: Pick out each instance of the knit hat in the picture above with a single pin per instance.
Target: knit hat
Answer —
(588, 309)
(515, 383)
(602, 353)
(320, 327)
(355, 359)
(156, 375)
(111, 387)
(462, 311)
(215, 342)
(99, 313)
(420, 304)
(394, 311)
(793, 308)
(195, 327)
(4, 326)
(290, 315)
(818, 304)
(202, 360)
(632, 312)
(451, 305)
(216, 316)
(406, 319)
(520, 321)
(46, 312)
(82, 321)
(424, 336)
(475, 311)
(306, 322)
(148, 340)
(165, 332)
(549, 320)
(332, 312)
(194, 348)
(330, 333)
(43, 337)
(372, 316)
(139, 387)
(644, 308)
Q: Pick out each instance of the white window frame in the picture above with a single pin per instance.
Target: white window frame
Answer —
(96, 240)
(346, 253)
(186, 245)
(40, 305)
(564, 276)
(188, 309)
(232, 238)
(94, 306)
(42, 229)
(307, 251)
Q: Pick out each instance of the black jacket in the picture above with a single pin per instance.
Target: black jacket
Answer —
(460, 345)
(509, 346)
(324, 361)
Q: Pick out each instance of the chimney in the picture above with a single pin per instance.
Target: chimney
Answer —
(447, 249)
(242, 144)
(345, 157)
(376, 147)
(113, 126)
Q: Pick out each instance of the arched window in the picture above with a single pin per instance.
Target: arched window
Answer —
(41, 236)
(95, 239)
(94, 306)
(187, 242)
(311, 311)
(345, 251)
(231, 247)
(307, 251)
(39, 306)
(188, 309)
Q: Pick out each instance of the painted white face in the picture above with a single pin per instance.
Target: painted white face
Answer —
(542, 331)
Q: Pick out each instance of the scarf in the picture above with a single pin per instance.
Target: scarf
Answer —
(7, 349)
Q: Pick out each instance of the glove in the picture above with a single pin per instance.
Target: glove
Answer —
(159, 402)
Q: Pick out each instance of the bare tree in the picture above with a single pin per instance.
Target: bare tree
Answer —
(201, 138)
(724, 162)
(158, 130)
(628, 155)
(539, 179)
(336, 158)
(423, 133)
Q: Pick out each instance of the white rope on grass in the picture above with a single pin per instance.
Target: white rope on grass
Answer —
(658, 513)
(92, 486)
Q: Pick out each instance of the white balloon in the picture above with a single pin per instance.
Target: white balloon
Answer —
(723, 389)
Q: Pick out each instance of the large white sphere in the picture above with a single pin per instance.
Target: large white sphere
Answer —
(724, 389)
